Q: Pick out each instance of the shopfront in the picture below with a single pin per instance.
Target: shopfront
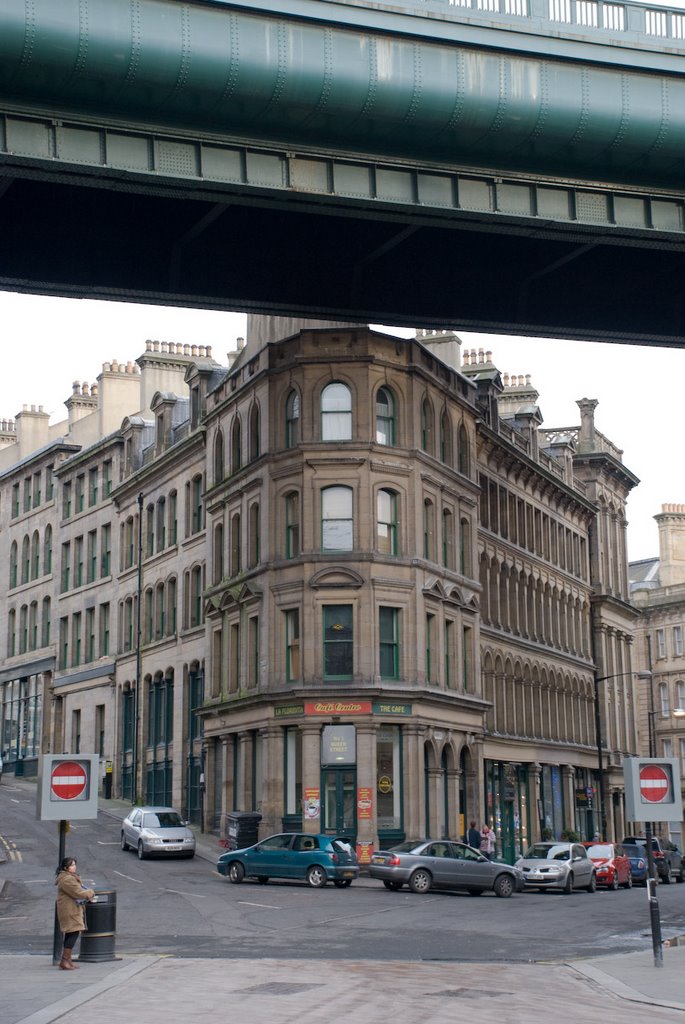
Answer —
(21, 718)
(507, 794)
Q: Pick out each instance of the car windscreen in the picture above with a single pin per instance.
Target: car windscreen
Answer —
(163, 819)
(634, 851)
(600, 850)
(547, 853)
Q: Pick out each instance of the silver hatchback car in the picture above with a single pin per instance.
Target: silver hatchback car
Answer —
(158, 831)
(562, 866)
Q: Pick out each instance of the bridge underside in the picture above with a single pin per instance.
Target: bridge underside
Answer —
(336, 239)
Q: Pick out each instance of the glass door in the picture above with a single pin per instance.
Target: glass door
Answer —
(339, 787)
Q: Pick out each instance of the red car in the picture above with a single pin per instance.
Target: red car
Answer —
(612, 864)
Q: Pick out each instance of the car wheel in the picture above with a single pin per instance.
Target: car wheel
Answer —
(393, 886)
(568, 884)
(262, 879)
(124, 844)
(681, 876)
(613, 885)
(342, 883)
(316, 876)
(236, 872)
(141, 850)
(592, 887)
(629, 883)
(504, 886)
(421, 880)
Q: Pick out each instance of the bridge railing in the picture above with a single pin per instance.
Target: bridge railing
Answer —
(636, 19)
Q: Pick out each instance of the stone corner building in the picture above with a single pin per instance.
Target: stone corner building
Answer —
(348, 582)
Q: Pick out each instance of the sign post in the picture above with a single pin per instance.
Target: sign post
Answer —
(652, 787)
(67, 789)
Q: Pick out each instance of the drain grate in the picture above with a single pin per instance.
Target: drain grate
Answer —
(278, 988)
(468, 993)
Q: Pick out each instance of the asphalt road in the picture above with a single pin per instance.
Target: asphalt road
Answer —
(184, 908)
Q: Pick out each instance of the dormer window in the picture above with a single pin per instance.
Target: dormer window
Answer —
(195, 406)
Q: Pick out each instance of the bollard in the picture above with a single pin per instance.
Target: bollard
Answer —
(97, 942)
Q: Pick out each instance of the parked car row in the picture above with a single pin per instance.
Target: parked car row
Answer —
(421, 865)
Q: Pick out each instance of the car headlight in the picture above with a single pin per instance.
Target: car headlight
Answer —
(153, 840)
(555, 869)
(189, 839)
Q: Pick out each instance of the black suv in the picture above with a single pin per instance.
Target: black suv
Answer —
(668, 860)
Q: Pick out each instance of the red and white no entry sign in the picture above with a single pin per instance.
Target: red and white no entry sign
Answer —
(655, 784)
(68, 780)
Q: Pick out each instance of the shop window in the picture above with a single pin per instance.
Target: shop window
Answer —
(293, 771)
(389, 779)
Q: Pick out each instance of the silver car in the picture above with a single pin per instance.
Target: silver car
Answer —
(562, 866)
(157, 830)
(442, 864)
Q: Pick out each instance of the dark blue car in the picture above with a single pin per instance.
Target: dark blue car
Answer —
(638, 862)
(303, 856)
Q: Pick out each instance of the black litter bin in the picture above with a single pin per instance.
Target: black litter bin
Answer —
(243, 828)
(97, 942)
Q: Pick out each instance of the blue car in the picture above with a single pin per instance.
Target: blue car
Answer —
(638, 862)
(303, 856)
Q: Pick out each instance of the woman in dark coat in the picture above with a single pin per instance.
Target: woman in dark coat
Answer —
(71, 897)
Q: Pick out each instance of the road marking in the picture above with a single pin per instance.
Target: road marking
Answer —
(138, 881)
(179, 892)
(35, 881)
(14, 918)
(264, 906)
(115, 842)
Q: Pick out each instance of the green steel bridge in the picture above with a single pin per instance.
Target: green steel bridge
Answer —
(511, 166)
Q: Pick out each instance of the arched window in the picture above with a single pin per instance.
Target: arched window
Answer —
(253, 539)
(236, 552)
(465, 548)
(172, 601)
(148, 616)
(33, 626)
(47, 551)
(427, 427)
(13, 564)
(336, 413)
(173, 517)
(45, 620)
(429, 529)
(292, 419)
(218, 560)
(160, 612)
(25, 560)
(463, 460)
(196, 596)
(336, 519)
(385, 416)
(292, 524)
(218, 456)
(386, 522)
(255, 430)
(11, 632)
(447, 539)
(35, 556)
(161, 524)
(23, 629)
(236, 445)
(446, 438)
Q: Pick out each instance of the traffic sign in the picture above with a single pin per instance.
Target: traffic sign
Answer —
(67, 786)
(68, 780)
(655, 784)
(652, 789)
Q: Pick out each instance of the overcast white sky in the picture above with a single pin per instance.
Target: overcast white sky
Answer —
(50, 342)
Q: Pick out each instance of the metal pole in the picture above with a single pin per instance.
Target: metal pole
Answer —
(654, 915)
(136, 720)
(57, 934)
(600, 759)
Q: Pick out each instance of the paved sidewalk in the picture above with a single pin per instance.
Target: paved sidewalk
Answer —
(157, 989)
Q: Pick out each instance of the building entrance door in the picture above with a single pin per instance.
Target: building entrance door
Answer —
(339, 786)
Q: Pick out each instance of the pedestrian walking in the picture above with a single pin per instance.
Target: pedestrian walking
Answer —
(473, 836)
(487, 842)
(72, 897)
